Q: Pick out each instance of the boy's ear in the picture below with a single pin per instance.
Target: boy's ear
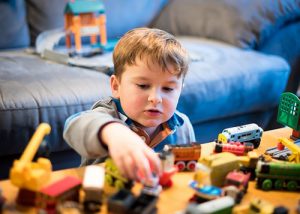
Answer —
(114, 85)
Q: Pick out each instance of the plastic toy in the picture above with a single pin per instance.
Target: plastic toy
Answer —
(32, 175)
(124, 201)
(120, 202)
(234, 192)
(236, 148)
(93, 184)
(186, 155)
(220, 165)
(223, 205)
(245, 133)
(113, 176)
(240, 181)
(66, 189)
(289, 113)
(85, 18)
(295, 150)
(204, 193)
(278, 175)
(144, 203)
(167, 159)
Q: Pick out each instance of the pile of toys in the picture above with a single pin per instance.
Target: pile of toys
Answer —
(220, 180)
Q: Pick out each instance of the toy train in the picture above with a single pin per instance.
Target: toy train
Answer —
(245, 133)
(186, 155)
(278, 175)
(236, 148)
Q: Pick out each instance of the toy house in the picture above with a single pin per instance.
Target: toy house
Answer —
(289, 113)
(85, 18)
(66, 189)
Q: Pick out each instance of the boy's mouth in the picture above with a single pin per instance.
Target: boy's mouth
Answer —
(153, 112)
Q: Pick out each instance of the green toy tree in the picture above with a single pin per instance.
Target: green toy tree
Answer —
(289, 113)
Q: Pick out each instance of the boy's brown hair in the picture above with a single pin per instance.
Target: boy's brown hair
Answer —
(155, 45)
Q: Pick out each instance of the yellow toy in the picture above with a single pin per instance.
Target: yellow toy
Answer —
(32, 175)
(295, 156)
(220, 164)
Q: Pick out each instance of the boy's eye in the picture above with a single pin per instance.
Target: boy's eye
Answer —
(143, 86)
(168, 89)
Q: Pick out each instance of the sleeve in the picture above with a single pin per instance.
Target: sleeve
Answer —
(81, 131)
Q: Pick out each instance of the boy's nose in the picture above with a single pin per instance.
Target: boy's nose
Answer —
(155, 97)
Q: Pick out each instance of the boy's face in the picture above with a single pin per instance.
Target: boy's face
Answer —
(148, 95)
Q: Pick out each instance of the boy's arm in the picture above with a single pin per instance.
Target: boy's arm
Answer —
(81, 132)
(130, 153)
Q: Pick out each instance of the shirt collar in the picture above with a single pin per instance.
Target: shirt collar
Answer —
(173, 122)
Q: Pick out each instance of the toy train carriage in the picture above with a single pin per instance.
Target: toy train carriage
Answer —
(93, 185)
(236, 148)
(245, 133)
(278, 175)
(186, 155)
(66, 189)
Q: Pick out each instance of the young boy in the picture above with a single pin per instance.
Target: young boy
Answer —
(150, 66)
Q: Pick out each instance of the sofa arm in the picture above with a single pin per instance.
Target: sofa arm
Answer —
(243, 23)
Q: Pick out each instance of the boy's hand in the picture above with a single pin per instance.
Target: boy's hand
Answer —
(129, 152)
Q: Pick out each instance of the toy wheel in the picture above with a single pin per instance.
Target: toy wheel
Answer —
(256, 143)
(267, 184)
(108, 180)
(180, 165)
(291, 185)
(278, 184)
(119, 184)
(191, 165)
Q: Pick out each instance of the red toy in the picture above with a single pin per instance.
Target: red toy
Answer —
(167, 158)
(62, 190)
(236, 148)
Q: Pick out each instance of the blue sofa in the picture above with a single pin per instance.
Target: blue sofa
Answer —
(244, 54)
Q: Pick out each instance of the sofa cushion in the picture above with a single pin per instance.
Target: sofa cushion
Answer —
(14, 28)
(225, 81)
(246, 24)
(33, 90)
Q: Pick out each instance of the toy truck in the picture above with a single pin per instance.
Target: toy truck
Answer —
(245, 133)
(30, 175)
(186, 155)
(236, 185)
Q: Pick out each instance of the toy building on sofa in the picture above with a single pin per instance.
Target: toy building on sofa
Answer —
(85, 18)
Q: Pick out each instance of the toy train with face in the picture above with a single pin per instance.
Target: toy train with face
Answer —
(278, 175)
(245, 133)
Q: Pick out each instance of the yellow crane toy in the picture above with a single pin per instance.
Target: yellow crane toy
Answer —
(30, 175)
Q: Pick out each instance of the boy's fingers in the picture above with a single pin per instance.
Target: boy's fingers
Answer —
(143, 167)
(154, 161)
